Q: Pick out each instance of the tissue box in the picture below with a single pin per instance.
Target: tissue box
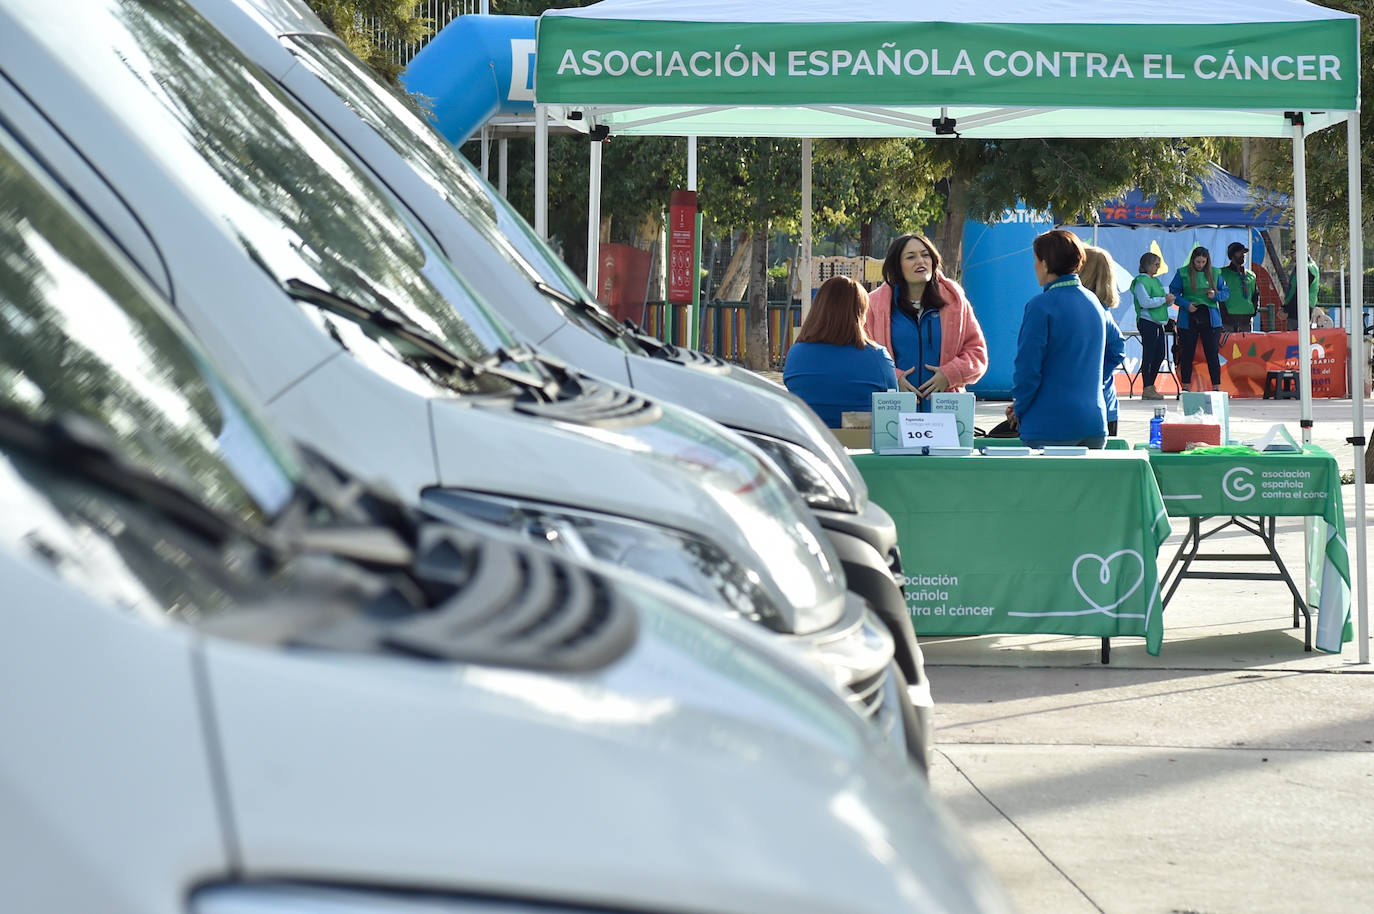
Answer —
(961, 404)
(1214, 403)
(886, 408)
(1177, 436)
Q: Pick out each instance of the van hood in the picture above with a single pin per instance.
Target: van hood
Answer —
(675, 470)
(739, 398)
(741, 792)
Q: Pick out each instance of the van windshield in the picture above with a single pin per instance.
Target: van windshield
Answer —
(80, 338)
(451, 175)
(296, 203)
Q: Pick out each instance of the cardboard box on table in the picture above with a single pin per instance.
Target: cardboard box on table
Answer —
(886, 425)
(961, 404)
(1212, 403)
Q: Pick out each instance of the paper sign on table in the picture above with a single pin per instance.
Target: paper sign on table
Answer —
(920, 431)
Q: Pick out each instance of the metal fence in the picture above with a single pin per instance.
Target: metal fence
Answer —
(440, 13)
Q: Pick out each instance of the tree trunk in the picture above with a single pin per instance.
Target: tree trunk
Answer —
(951, 234)
(756, 352)
(736, 278)
(866, 240)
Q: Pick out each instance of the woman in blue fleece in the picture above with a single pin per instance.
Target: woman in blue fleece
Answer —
(833, 365)
(1063, 353)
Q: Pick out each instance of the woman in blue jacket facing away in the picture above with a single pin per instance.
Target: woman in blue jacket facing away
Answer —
(1063, 353)
(834, 367)
(1199, 290)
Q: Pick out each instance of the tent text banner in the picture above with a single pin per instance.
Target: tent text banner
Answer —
(1299, 65)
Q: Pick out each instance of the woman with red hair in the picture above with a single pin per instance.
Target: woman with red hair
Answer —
(833, 366)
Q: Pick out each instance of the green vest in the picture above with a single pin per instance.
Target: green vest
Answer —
(1195, 287)
(1150, 287)
(1244, 291)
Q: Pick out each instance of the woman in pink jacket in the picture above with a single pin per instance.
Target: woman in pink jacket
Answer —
(931, 332)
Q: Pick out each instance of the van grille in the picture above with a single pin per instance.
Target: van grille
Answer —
(490, 602)
(867, 694)
(598, 405)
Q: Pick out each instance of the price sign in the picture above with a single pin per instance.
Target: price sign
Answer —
(927, 430)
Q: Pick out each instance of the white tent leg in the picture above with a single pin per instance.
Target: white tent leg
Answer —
(486, 153)
(1300, 277)
(1304, 320)
(1360, 566)
(541, 172)
(693, 315)
(805, 266)
(593, 214)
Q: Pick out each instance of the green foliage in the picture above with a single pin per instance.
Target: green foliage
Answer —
(1327, 183)
(1073, 178)
(364, 24)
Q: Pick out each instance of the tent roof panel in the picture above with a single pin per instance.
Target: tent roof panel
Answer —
(1303, 62)
(971, 122)
(1144, 12)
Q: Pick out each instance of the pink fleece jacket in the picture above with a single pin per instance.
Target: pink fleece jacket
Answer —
(963, 350)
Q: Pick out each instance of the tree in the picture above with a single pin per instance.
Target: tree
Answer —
(1070, 178)
(753, 183)
(364, 25)
(863, 182)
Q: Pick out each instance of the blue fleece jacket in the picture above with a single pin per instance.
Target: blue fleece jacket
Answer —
(1062, 360)
(835, 379)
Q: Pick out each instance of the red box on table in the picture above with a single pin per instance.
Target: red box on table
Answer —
(1179, 436)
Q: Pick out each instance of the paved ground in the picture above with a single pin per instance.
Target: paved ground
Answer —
(1232, 773)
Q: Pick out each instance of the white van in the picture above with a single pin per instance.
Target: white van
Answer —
(546, 306)
(236, 686)
(309, 286)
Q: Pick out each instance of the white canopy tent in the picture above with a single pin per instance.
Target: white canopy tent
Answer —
(982, 69)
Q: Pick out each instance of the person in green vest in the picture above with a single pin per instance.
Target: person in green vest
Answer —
(1200, 290)
(1152, 303)
(1290, 301)
(1238, 314)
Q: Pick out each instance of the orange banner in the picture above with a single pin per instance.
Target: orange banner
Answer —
(1246, 358)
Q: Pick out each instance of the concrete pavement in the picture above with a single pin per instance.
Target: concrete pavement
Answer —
(1232, 773)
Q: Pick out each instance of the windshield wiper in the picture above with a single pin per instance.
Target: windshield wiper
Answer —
(390, 319)
(587, 308)
(78, 444)
(387, 318)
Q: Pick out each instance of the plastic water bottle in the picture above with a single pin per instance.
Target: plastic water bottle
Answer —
(1157, 429)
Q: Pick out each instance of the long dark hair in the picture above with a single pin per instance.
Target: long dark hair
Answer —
(932, 296)
(1209, 271)
(837, 314)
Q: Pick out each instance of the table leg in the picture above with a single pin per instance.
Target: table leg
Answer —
(1192, 538)
(1262, 527)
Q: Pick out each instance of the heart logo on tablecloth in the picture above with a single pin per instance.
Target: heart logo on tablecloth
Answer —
(1106, 570)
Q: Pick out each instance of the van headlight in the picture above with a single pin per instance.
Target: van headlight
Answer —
(680, 559)
(819, 484)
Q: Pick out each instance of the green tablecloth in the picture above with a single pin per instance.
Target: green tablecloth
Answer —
(1024, 545)
(1273, 485)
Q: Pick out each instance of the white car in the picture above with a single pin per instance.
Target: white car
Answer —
(235, 686)
(310, 287)
(547, 307)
